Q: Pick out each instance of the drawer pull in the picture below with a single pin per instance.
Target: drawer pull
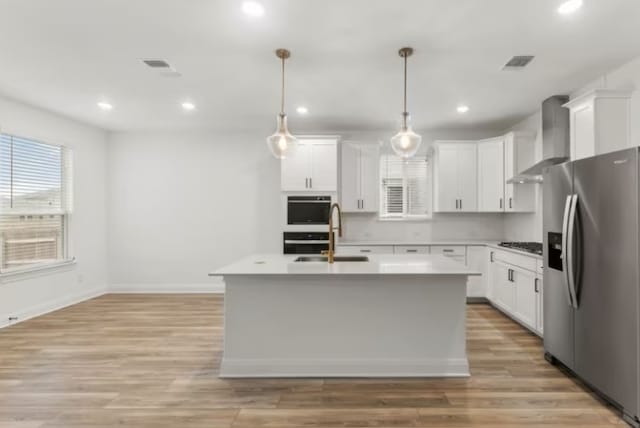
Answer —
(412, 251)
(365, 251)
(447, 251)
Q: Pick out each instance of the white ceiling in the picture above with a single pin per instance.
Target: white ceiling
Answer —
(65, 55)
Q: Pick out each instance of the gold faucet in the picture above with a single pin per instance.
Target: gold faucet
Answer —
(330, 252)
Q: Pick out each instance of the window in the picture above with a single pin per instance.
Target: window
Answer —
(405, 187)
(35, 203)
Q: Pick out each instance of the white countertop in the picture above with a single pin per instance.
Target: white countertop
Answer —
(516, 251)
(410, 243)
(378, 264)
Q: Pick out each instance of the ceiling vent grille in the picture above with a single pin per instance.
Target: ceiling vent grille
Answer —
(518, 62)
(156, 63)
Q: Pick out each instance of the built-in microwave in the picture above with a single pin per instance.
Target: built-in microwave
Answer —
(308, 209)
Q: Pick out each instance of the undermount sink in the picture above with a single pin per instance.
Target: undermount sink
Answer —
(335, 259)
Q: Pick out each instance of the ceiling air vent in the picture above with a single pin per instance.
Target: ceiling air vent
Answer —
(156, 63)
(518, 62)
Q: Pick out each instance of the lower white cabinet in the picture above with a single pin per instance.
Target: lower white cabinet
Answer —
(477, 260)
(364, 249)
(516, 290)
(411, 249)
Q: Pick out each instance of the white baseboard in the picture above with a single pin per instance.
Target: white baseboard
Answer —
(207, 288)
(244, 368)
(50, 306)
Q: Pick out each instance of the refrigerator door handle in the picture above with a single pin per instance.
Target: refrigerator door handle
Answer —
(571, 276)
(565, 233)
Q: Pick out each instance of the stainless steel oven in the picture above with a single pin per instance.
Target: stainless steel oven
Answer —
(308, 210)
(305, 242)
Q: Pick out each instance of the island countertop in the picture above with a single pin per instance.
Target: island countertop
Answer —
(378, 264)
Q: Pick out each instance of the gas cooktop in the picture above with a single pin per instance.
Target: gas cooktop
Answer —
(529, 247)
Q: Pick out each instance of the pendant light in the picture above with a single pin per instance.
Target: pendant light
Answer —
(406, 142)
(282, 143)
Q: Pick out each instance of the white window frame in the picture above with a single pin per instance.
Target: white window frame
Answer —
(68, 259)
(404, 216)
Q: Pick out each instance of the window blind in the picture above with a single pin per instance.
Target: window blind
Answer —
(35, 199)
(405, 187)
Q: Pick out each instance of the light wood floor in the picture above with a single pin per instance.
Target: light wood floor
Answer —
(152, 361)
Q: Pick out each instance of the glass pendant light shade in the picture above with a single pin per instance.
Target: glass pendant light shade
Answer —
(282, 143)
(406, 142)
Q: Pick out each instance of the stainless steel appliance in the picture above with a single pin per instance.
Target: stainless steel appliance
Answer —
(305, 242)
(308, 210)
(527, 247)
(591, 279)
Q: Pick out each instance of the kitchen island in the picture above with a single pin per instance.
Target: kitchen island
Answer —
(393, 315)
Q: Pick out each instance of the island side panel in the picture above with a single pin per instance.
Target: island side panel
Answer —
(331, 325)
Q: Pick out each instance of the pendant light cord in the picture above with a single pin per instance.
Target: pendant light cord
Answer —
(405, 83)
(282, 98)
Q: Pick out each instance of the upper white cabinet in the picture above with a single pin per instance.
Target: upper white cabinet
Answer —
(519, 150)
(600, 122)
(491, 180)
(359, 177)
(455, 177)
(312, 167)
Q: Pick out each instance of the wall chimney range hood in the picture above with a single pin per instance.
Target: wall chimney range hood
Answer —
(555, 139)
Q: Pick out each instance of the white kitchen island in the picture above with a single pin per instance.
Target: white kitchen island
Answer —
(394, 315)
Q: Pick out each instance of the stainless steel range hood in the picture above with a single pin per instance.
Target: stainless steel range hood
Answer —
(555, 139)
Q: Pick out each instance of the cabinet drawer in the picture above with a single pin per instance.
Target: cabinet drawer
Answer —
(411, 249)
(454, 250)
(522, 261)
(364, 249)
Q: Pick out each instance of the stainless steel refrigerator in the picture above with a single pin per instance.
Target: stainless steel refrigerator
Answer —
(591, 279)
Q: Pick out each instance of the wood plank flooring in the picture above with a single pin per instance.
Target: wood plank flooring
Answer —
(152, 361)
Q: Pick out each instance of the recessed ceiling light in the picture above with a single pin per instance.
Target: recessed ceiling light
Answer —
(105, 106)
(302, 110)
(462, 109)
(569, 7)
(252, 8)
(188, 106)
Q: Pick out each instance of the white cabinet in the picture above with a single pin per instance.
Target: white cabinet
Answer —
(600, 122)
(455, 252)
(364, 249)
(519, 150)
(504, 293)
(491, 180)
(477, 260)
(456, 177)
(525, 309)
(411, 249)
(539, 299)
(515, 287)
(359, 177)
(312, 167)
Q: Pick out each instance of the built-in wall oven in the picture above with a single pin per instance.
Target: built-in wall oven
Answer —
(308, 210)
(305, 242)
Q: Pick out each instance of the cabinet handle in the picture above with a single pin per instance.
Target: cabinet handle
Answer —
(456, 203)
(491, 257)
(365, 251)
(306, 183)
(310, 183)
(446, 250)
(535, 284)
(412, 251)
(510, 202)
(500, 203)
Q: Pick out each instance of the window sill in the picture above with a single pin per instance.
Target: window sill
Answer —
(36, 271)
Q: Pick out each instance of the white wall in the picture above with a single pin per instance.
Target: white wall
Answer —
(182, 204)
(30, 295)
